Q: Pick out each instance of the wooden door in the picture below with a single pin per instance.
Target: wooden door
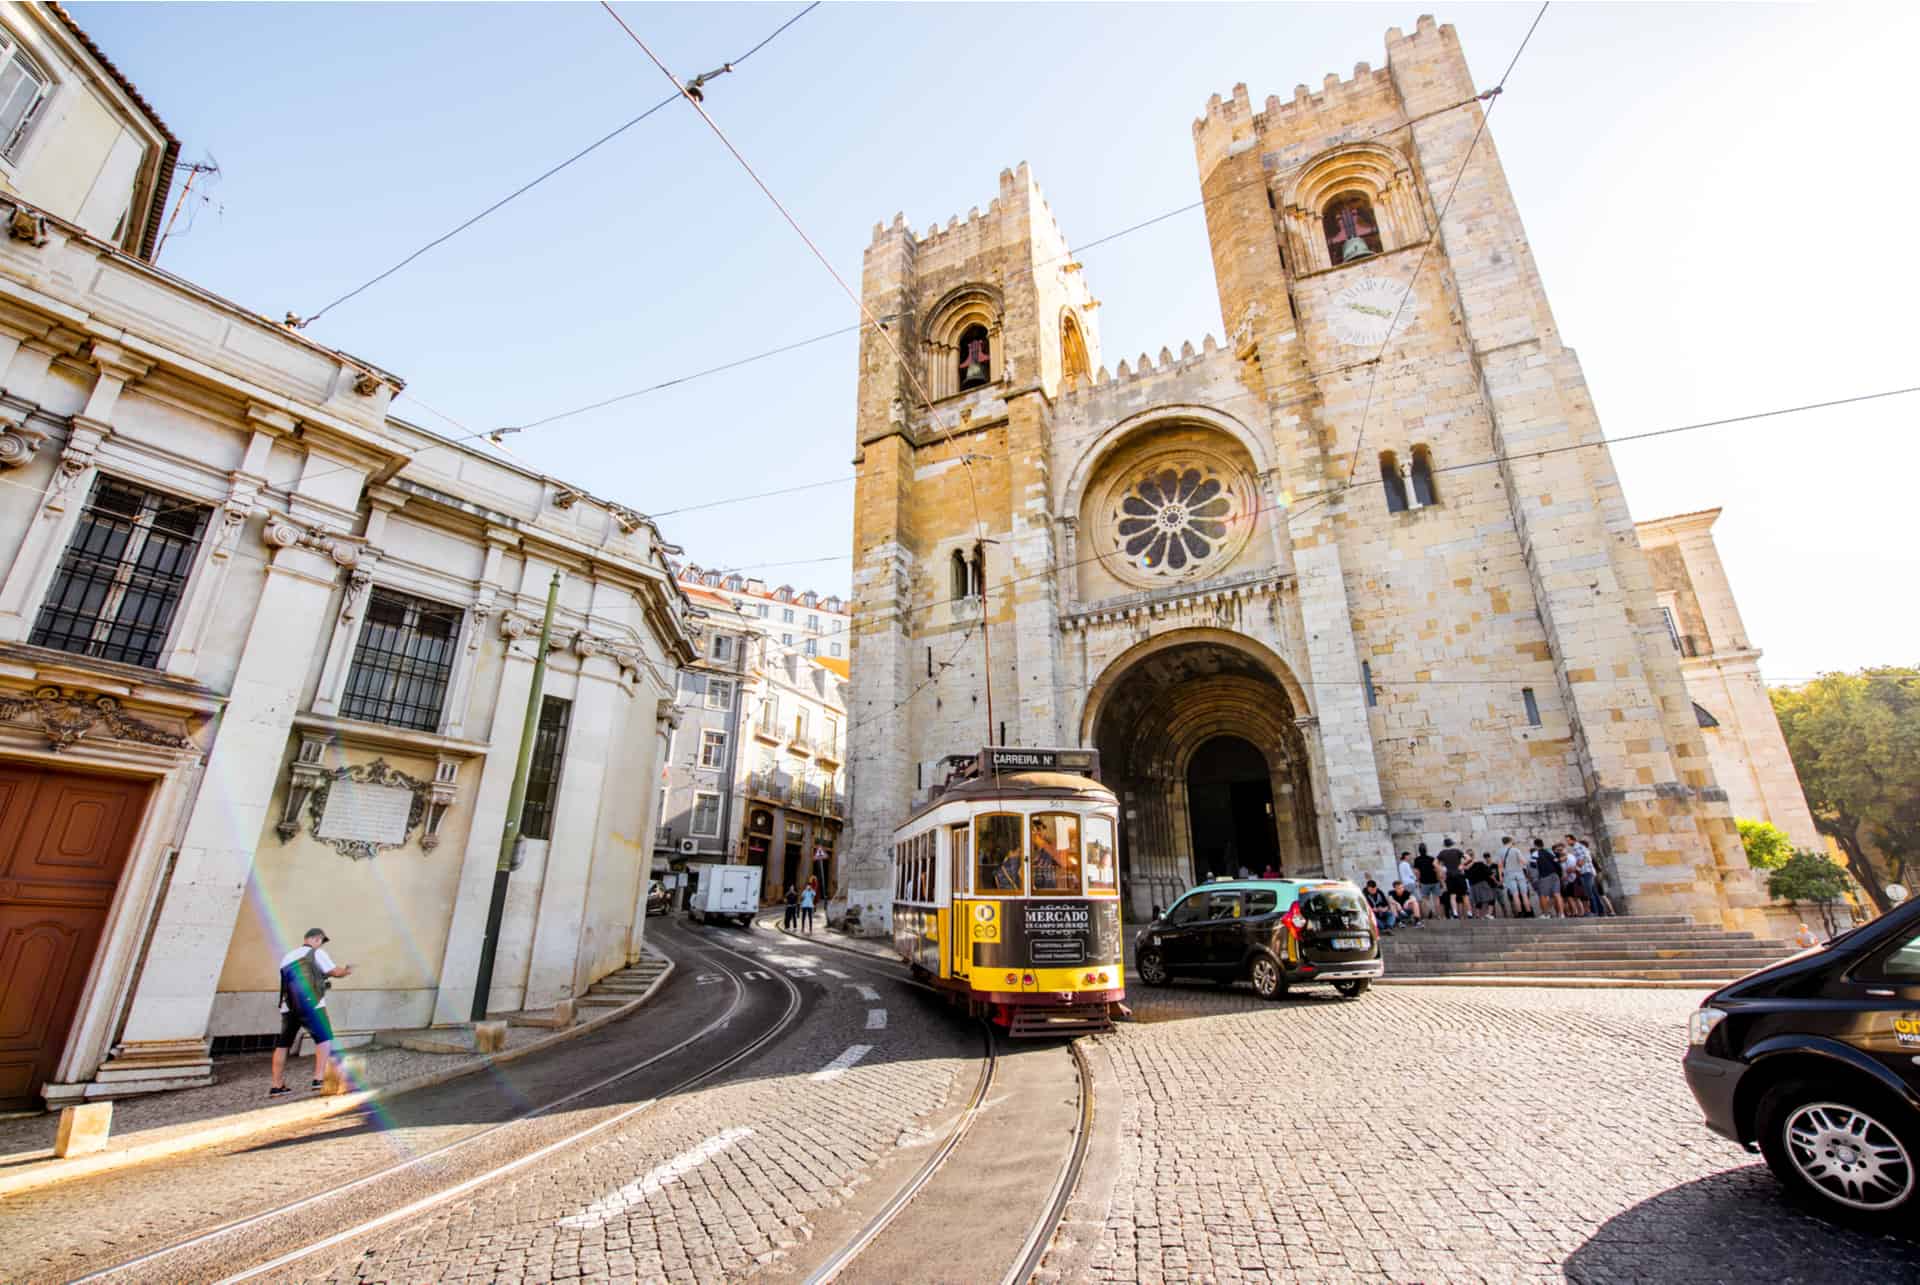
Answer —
(64, 839)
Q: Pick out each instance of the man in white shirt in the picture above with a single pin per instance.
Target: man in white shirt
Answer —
(1513, 878)
(303, 1003)
(1406, 869)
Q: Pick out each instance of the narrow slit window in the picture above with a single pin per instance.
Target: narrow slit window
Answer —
(1422, 470)
(1366, 683)
(1533, 706)
(543, 771)
(1392, 483)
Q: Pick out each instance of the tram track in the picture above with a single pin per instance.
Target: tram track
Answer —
(846, 1261)
(153, 1264)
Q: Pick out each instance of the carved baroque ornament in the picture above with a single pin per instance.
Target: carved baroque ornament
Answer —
(68, 717)
(377, 772)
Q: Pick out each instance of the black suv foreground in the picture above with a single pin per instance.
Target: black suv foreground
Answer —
(1276, 933)
(1816, 1061)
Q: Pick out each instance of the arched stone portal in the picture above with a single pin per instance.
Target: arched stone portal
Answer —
(1178, 717)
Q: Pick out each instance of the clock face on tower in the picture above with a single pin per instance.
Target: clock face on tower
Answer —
(1363, 312)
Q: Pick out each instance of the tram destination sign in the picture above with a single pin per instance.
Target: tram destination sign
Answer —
(1006, 758)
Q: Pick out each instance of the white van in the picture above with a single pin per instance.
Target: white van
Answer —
(724, 892)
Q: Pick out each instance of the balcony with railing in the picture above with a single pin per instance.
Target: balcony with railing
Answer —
(829, 751)
(770, 786)
(768, 731)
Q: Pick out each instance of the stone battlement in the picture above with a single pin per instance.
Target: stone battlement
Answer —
(1105, 382)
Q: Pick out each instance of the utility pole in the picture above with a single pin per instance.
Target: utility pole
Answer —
(516, 802)
(194, 170)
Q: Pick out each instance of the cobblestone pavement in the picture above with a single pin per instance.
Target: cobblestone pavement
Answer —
(1439, 1134)
(727, 1183)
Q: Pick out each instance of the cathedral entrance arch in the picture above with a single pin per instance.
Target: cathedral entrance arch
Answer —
(1200, 735)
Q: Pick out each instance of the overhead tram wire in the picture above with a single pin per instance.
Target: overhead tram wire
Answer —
(1413, 280)
(301, 323)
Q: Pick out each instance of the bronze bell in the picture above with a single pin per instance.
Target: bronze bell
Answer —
(1355, 248)
(975, 371)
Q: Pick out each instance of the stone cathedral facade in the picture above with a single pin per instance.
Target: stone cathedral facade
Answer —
(1318, 592)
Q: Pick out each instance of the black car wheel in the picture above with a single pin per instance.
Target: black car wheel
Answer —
(1846, 1148)
(1268, 981)
(1153, 969)
(1355, 988)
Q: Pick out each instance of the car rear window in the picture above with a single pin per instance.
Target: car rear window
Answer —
(1331, 909)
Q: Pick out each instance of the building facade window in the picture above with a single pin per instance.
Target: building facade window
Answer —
(786, 615)
(706, 814)
(713, 748)
(813, 624)
(800, 725)
(1392, 483)
(23, 92)
(1673, 630)
(839, 626)
(812, 647)
(770, 715)
(836, 649)
(1421, 473)
(719, 693)
(121, 578)
(975, 358)
(402, 661)
(764, 610)
(1352, 230)
(1532, 705)
(786, 640)
(723, 646)
(543, 773)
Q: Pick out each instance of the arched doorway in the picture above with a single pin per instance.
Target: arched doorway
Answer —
(1230, 809)
(1199, 735)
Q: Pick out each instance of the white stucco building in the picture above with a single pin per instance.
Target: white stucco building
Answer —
(265, 653)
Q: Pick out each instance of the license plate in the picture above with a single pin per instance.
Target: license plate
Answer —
(1349, 943)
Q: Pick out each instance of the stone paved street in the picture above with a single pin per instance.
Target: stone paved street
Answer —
(1440, 1134)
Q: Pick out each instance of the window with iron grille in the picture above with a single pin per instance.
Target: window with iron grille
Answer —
(121, 578)
(543, 773)
(403, 660)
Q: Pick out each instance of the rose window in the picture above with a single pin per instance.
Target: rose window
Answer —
(1172, 518)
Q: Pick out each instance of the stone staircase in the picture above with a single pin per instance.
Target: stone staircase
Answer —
(625, 986)
(1635, 948)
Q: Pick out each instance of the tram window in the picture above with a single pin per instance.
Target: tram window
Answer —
(999, 855)
(1101, 871)
(962, 859)
(1055, 841)
(899, 874)
(923, 869)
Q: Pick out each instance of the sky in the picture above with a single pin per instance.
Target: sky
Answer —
(1717, 197)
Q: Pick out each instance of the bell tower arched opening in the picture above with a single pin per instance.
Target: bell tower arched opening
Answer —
(1200, 735)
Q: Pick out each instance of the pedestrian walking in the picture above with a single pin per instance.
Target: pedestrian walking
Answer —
(791, 919)
(1514, 880)
(1546, 880)
(1427, 872)
(1483, 881)
(806, 907)
(304, 977)
(1454, 862)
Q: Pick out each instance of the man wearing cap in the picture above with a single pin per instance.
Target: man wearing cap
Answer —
(303, 1003)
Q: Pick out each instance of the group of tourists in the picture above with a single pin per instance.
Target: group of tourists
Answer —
(1561, 882)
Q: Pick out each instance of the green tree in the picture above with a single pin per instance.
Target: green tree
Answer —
(1855, 741)
(1767, 845)
(1810, 877)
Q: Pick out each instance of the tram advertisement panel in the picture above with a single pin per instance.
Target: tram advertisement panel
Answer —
(1052, 934)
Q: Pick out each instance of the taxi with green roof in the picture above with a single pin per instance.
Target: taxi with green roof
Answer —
(1274, 933)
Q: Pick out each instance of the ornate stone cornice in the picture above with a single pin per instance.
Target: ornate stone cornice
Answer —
(66, 717)
(345, 550)
(1202, 597)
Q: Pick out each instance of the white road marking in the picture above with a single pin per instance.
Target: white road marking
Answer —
(840, 1065)
(706, 979)
(754, 975)
(867, 993)
(834, 972)
(613, 1204)
(876, 1019)
(799, 972)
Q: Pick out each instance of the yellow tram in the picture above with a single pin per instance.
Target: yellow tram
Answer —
(1007, 891)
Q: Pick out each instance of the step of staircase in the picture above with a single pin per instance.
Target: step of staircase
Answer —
(1652, 948)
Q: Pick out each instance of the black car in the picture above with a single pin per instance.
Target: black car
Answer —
(1816, 1062)
(658, 899)
(1276, 933)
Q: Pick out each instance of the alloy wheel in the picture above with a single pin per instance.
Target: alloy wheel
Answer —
(1848, 1156)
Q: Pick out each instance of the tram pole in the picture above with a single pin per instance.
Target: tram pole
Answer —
(516, 803)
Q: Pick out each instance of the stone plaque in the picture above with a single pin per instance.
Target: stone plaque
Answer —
(363, 813)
